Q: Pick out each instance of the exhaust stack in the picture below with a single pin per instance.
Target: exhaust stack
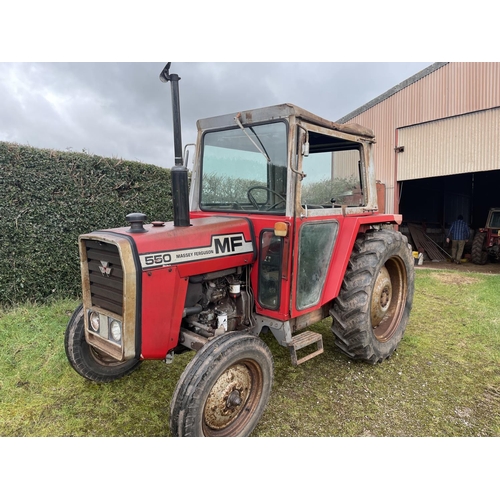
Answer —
(180, 192)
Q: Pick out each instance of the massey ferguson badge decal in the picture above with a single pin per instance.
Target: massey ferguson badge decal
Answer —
(105, 268)
(228, 244)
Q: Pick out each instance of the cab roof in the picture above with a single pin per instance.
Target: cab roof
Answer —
(282, 111)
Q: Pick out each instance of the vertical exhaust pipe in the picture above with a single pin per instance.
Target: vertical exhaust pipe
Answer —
(180, 192)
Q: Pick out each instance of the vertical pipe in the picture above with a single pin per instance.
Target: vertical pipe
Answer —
(176, 114)
(396, 209)
(180, 192)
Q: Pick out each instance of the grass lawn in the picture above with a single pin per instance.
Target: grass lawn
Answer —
(444, 380)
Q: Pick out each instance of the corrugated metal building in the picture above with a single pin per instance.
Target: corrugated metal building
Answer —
(438, 143)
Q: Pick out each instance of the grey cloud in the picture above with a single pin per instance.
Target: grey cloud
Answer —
(123, 110)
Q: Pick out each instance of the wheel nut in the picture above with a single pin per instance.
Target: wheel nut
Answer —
(233, 399)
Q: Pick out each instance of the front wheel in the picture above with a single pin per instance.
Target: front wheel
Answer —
(224, 389)
(86, 360)
(372, 309)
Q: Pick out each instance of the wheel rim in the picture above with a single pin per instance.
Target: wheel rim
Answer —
(233, 399)
(103, 359)
(388, 299)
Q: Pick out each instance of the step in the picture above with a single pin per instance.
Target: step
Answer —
(302, 340)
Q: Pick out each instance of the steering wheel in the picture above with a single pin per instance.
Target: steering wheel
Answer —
(253, 201)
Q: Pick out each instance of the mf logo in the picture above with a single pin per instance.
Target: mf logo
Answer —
(226, 244)
(105, 268)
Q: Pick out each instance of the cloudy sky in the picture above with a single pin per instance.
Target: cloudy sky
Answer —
(123, 110)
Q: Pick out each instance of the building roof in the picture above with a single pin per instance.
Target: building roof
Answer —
(421, 74)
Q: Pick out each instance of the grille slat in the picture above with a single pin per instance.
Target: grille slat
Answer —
(106, 291)
(107, 304)
(106, 256)
(116, 273)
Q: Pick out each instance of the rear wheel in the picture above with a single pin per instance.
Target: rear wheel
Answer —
(479, 254)
(86, 360)
(224, 389)
(372, 309)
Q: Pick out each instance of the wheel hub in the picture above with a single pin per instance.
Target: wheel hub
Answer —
(103, 358)
(381, 297)
(228, 396)
(234, 399)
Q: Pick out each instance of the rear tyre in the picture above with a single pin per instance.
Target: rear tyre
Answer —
(224, 389)
(86, 360)
(372, 309)
(479, 254)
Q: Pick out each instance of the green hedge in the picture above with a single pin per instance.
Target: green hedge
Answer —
(48, 198)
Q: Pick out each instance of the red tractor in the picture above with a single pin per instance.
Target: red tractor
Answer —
(281, 230)
(486, 241)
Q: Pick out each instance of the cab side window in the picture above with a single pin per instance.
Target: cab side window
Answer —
(316, 241)
(333, 173)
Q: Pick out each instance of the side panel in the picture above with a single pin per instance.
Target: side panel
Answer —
(163, 296)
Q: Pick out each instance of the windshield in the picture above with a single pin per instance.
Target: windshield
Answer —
(495, 220)
(238, 176)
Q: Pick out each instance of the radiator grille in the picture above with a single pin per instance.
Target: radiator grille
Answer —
(106, 291)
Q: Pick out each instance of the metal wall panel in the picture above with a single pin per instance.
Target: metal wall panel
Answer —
(453, 89)
(345, 164)
(462, 144)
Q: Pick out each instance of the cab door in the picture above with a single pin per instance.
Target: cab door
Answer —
(330, 187)
(314, 243)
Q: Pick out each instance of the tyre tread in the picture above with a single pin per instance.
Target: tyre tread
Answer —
(186, 399)
(350, 312)
(478, 255)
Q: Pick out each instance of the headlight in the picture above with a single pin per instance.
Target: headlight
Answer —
(94, 321)
(116, 331)
(107, 328)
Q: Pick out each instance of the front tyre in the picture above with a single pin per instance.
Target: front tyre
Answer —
(224, 389)
(86, 360)
(373, 306)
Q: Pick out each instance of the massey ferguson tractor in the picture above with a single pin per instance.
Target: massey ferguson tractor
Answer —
(280, 230)
(486, 242)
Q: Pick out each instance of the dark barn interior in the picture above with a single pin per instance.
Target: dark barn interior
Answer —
(434, 203)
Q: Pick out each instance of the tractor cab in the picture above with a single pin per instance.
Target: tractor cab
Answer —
(282, 161)
(493, 221)
(486, 243)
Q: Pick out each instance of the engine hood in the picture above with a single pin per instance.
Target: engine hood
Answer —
(205, 239)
